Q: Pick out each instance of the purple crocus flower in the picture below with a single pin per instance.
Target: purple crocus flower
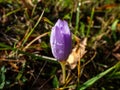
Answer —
(60, 40)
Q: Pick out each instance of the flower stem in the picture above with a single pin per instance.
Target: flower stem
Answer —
(63, 71)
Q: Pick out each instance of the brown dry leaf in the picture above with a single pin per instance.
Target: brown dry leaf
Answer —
(118, 27)
(28, 3)
(116, 55)
(77, 53)
(117, 46)
(14, 66)
(107, 6)
(116, 50)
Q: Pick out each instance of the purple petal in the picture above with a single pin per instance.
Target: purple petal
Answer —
(60, 40)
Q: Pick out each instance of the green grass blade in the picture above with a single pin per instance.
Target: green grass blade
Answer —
(2, 77)
(113, 28)
(39, 57)
(77, 19)
(55, 82)
(5, 47)
(96, 78)
(82, 29)
(26, 38)
(91, 18)
(12, 12)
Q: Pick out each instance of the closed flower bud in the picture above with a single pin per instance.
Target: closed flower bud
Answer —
(60, 40)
